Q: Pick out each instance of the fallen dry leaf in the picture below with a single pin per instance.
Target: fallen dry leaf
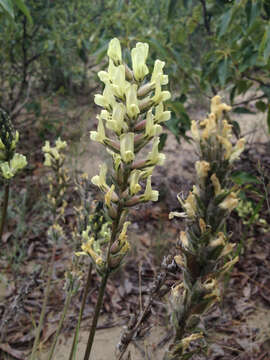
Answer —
(17, 354)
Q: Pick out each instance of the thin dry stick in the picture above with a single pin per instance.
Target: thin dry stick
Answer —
(134, 326)
(44, 305)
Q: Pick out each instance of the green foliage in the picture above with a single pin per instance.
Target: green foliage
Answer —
(208, 46)
(7, 8)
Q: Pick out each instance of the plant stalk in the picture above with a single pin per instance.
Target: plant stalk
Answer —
(4, 210)
(66, 306)
(44, 305)
(96, 315)
(76, 334)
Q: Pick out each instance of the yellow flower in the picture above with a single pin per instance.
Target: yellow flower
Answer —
(127, 147)
(149, 194)
(227, 145)
(160, 96)
(202, 169)
(114, 51)
(219, 241)
(154, 157)
(216, 184)
(119, 85)
(190, 205)
(217, 107)
(139, 55)
(202, 225)
(151, 129)
(99, 135)
(116, 121)
(158, 72)
(237, 150)
(161, 115)
(123, 234)
(227, 129)
(110, 195)
(134, 186)
(100, 180)
(210, 126)
(132, 101)
(195, 131)
(230, 202)
(184, 239)
(107, 99)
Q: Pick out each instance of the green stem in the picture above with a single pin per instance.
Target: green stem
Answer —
(96, 315)
(4, 210)
(76, 334)
(66, 306)
(44, 305)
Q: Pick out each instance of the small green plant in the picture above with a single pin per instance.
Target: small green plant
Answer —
(132, 112)
(10, 161)
(205, 251)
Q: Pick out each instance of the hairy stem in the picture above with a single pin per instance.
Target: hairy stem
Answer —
(96, 315)
(44, 305)
(72, 355)
(66, 306)
(4, 210)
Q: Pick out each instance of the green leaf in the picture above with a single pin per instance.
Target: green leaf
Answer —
(266, 90)
(171, 9)
(162, 141)
(242, 177)
(261, 106)
(225, 22)
(243, 110)
(24, 9)
(252, 10)
(222, 71)
(268, 119)
(8, 7)
(266, 51)
(264, 48)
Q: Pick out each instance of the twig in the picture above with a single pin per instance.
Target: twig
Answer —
(134, 325)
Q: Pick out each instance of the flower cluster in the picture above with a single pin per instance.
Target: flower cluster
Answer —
(133, 109)
(10, 161)
(55, 158)
(205, 249)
